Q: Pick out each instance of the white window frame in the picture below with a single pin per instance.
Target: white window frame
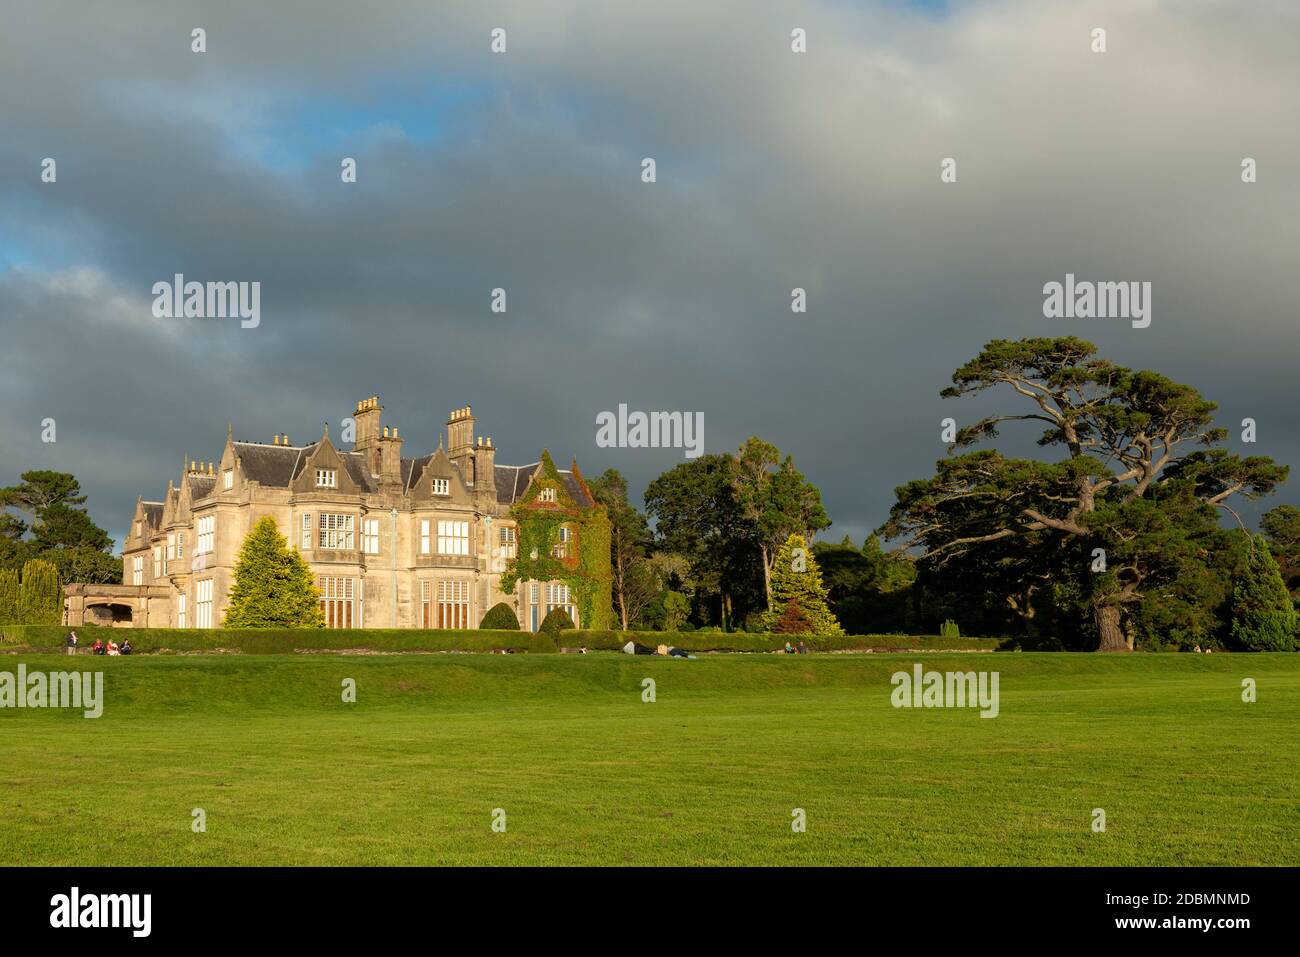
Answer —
(157, 561)
(370, 536)
(441, 486)
(306, 531)
(228, 479)
(327, 478)
(137, 570)
(336, 531)
(207, 526)
(203, 603)
(180, 544)
(453, 537)
(180, 610)
(561, 549)
(547, 495)
(425, 541)
(509, 541)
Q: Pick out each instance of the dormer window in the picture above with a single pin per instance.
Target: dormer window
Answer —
(228, 479)
(442, 486)
(548, 495)
(327, 478)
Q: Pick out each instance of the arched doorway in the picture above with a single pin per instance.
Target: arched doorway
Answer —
(112, 615)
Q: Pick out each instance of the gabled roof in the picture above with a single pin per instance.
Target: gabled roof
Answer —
(275, 466)
(152, 513)
(512, 482)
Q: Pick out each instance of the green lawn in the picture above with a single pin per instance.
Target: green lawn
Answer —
(708, 774)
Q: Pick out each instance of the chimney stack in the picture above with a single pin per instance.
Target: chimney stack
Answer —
(367, 434)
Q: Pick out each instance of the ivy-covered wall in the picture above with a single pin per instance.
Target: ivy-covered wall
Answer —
(585, 568)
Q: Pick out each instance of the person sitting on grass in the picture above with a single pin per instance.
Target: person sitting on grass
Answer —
(126, 646)
(789, 648)
(112, 647)
(98, 647)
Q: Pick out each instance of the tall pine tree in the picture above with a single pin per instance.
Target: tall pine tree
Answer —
(1263, 618)
(796, 578)
(273, 584)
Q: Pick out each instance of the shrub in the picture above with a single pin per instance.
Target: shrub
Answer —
(556, 620)
(500, 617)
(949, 629)
(792, 620)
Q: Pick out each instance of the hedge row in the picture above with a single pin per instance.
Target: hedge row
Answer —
(257, 641)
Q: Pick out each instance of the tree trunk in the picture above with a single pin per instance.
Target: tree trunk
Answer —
(622, 603)
(1109, 629)
(767, 577)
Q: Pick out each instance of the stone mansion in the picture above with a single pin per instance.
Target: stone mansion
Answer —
(393, 542)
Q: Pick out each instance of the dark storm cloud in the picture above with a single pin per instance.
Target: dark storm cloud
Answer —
(775, 171)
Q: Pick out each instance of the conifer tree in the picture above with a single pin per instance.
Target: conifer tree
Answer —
(40, 594)
(273, 584)
(1263, 618)
(796, 578)
(9, 596)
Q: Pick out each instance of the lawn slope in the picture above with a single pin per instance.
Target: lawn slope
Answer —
(588, 773)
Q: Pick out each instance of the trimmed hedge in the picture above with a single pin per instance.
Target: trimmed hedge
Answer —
(276, 641)
(500, 617)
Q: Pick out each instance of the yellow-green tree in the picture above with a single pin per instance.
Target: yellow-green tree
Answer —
(40, 598)
(797, 580)
(274, 587)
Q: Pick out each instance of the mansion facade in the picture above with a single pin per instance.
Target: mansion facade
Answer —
(393, 542)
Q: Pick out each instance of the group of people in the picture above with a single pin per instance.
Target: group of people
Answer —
(790, 649)
(100, 647)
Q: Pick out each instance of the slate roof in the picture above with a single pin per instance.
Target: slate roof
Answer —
(272, 465)
(201, 486)
(153, 513)
(276, 466)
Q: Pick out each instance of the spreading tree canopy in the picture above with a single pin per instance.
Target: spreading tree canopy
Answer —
(1130, 501)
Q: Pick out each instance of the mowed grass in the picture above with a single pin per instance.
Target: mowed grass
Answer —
(587, 773)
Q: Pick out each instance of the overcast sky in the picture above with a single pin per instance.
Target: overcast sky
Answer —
(522, 170)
